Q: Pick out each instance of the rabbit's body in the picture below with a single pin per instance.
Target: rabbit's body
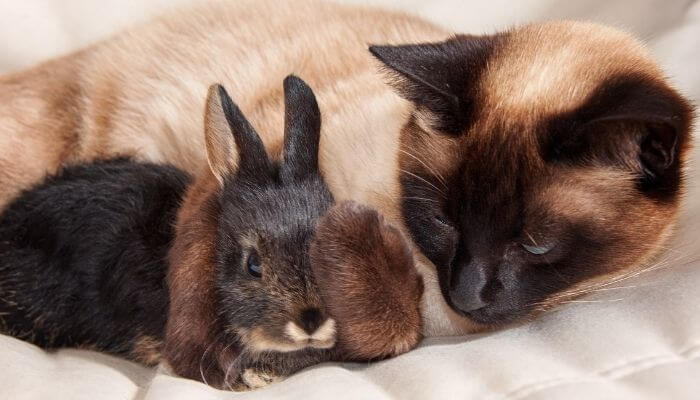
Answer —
(244, 305)
(83, 258)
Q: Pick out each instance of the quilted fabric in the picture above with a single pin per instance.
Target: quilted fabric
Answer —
(635, 339)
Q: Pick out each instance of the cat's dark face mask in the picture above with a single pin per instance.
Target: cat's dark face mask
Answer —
(530, 176)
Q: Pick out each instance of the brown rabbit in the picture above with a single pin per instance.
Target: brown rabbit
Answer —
(244, 307)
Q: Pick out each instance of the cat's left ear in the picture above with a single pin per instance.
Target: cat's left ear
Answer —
(438, 77)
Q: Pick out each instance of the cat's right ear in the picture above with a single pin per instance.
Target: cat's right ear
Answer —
(438, 78)
(232, 144)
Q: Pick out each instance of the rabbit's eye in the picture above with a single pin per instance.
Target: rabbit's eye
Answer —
(253, 264)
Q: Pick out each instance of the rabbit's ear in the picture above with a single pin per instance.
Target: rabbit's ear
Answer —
(222, 154)
(302, 130)
(232, 144)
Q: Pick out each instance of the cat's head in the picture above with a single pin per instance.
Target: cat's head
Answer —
(537, 163)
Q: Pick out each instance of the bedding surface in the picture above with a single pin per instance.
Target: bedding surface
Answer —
(637, 338)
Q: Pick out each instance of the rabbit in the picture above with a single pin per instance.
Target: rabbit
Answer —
(84, 255)
(83, 258)
(244, 306)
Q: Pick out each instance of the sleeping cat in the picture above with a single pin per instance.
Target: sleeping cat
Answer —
(519, 163)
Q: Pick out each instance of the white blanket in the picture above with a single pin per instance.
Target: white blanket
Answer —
(639, 338)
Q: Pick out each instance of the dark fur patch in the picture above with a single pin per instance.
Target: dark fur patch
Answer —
(191, 341)
(82, 256)
(369, 283)
(638, 111)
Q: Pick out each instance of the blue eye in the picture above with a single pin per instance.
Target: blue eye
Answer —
(253, 264)
(538, 250)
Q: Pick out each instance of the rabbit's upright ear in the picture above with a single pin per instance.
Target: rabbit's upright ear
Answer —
(232, 144)
(302, 130)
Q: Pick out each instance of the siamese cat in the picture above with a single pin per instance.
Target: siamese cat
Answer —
(527, 166)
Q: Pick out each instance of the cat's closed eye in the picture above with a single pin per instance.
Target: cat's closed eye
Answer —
(540, 249)
(443, 221)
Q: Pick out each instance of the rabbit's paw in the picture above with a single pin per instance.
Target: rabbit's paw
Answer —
(255, 379)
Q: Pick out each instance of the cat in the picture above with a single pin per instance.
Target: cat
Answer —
(527, 166)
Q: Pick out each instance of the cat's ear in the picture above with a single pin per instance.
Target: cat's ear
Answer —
(635, 122)
(302, 130)
(231, 142)
(438, 78)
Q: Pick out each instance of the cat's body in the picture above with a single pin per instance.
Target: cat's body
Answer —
(478, 122)
(83, 258)
(95, 105)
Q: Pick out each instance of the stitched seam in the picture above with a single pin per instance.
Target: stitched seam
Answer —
(617, 371)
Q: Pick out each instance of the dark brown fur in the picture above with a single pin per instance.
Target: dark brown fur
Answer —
(82, 258)
(192, 329)
(365, 271)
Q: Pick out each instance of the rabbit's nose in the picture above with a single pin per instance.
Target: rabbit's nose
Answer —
(312, 329)
(310, 320)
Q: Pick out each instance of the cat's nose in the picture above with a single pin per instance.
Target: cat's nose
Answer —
(310, 319)
(472, 285)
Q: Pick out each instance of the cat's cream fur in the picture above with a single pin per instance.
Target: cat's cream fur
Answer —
(142, 93)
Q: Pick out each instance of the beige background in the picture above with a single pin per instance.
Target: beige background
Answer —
(639, 339)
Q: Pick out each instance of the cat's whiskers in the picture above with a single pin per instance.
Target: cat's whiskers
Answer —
(204, 354)
(603, 289)
(437, 190)
(592, 301)
(420, 199)
(437, 175)
(532, 239)
(230, 367)
(570, 295)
